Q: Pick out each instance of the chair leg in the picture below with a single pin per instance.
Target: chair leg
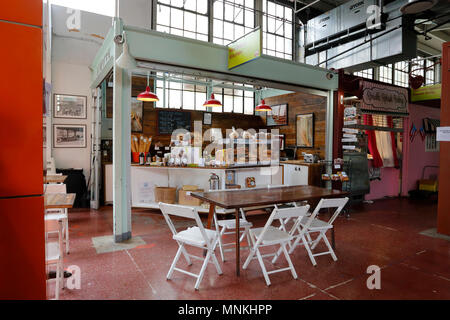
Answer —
(275, 258)
(333, 255)
(221, 250)
(308, 249)
(186, 255)
(174, 262)
(57, 279)
(263, 267)
(202, 270)
(316, 242)
(67, 234)
(291, 266)
(249, 258)
(216, 263)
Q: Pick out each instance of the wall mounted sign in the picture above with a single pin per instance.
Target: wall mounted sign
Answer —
(245, 49)
(432, 92)
(443, 134)
(384, 98)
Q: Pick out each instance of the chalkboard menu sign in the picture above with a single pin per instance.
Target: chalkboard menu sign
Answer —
(169, 121)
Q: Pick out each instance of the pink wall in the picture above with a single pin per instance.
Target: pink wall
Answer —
(388, 186)
(414, 159)
(415, 156)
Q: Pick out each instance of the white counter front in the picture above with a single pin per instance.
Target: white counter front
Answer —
(145, 178)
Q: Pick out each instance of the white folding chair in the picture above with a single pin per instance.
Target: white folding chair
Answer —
(53, 253)
(196, 236)
(310, 225)
(222, 227)
(59, 188)
(270, 236)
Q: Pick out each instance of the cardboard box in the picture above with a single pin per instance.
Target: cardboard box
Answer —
(184, 198)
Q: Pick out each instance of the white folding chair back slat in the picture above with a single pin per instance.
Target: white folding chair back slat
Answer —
(196, 236)
(308, 225)
(270, 235)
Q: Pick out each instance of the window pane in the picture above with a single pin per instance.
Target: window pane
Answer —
(163, 15)
(228, 103)
(202, 24)
(177, 3)
(238, 105)
(175, 99)
(202, 6)
(188, 100)
(229, 11)
(176, 19)
(248, 105)
(189, 21)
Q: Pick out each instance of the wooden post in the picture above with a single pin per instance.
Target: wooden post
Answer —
(443, 219)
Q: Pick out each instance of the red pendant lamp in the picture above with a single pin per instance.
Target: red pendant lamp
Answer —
(147, 95)
(213, 102)
(263, 106)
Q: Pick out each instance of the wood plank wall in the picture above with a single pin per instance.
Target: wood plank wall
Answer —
(219, 120)
(302, 103)
(298, 103)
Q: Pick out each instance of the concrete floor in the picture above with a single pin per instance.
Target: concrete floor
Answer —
(386, 233)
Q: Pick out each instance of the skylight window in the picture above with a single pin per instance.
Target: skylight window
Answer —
(103, 7)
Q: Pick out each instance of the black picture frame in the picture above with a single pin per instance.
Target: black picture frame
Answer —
(272, 121)
(61, 108)
(58, 142)
(300, 140)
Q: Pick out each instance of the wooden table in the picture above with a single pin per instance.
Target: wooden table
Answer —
(244, 198)
(54, 178)
(59, 200)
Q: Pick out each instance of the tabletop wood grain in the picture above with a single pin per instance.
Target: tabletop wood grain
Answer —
(59, 200)
(232, 199)
(54, 178)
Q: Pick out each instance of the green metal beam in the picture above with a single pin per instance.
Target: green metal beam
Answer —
(163, 48)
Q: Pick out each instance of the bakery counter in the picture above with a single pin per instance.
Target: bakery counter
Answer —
(144, 179)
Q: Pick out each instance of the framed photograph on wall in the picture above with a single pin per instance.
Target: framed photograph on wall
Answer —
(207, 118)
(304, 130)
(278, 116)
(69, 136)
(137, 115)
(69, 106)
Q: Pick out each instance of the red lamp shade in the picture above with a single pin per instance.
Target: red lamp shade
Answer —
(212, 102)
(147, 95)
(263, 106)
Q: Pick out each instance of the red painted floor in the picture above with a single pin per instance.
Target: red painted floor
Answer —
(385, 233)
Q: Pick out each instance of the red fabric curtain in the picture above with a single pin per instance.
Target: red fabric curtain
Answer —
(393, 141)
(372, 142)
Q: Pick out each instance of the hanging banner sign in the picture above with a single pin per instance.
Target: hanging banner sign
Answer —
(384, 98)
(432, 92)
(245, 49)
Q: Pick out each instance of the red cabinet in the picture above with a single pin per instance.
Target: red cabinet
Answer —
(22, 248)
(22, 11)
(21, 101)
